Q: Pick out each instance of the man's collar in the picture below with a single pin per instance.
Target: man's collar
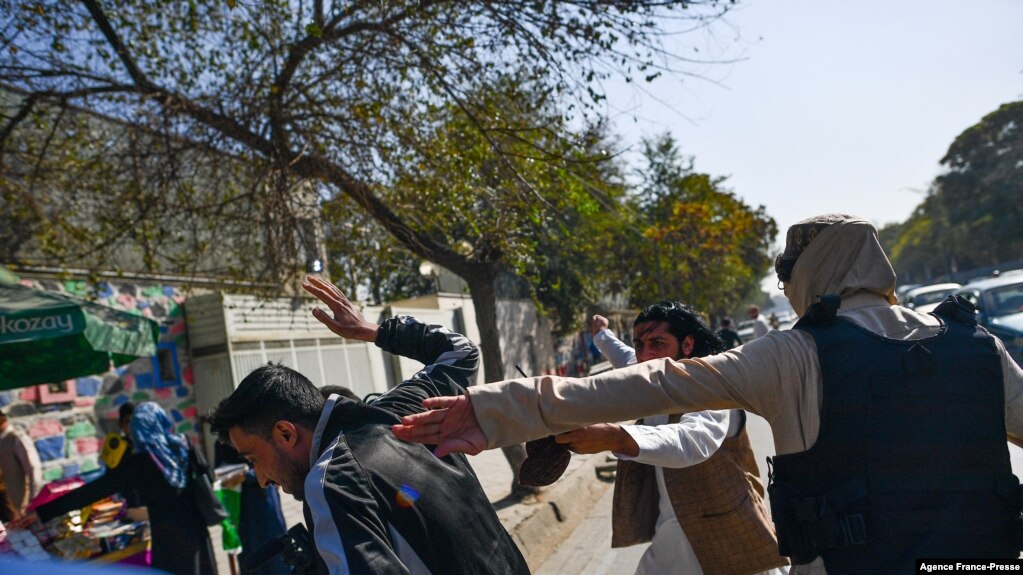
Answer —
(321, 426)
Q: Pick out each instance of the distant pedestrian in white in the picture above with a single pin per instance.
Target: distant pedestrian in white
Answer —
(760, 324)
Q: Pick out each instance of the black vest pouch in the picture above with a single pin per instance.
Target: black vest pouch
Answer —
(809, 525)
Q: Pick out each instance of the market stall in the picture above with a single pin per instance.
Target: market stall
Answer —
(104, 532)
(48, 337)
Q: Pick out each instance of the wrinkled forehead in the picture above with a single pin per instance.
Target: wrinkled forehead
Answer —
(651, 329)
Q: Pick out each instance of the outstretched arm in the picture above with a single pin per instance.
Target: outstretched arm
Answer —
(599, 437)
(451, 426)
(452, 362)
(691, 441)
(776, 377)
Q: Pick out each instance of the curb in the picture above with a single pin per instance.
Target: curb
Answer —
(559, 510)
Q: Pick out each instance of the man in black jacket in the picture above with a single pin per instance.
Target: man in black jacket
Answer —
(373, 503)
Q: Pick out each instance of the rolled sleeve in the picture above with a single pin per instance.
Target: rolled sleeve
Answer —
(693, 440)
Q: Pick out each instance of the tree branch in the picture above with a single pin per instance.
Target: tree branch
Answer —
(315, 167)
(16, 119)
(169, 100)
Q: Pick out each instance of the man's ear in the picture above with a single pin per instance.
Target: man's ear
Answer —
(687, 346)
(285, 433)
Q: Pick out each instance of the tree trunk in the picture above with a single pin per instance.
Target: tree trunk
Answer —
(484, 298)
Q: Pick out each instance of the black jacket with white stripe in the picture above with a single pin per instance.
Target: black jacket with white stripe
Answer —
(376, 504)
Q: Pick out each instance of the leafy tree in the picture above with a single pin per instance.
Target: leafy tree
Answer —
(529, 201)
(333, 92)
(915, 246)
(327, 92)
(361, 254)
(700, 242)
(87, 192)
(974, 211)
(981, 194)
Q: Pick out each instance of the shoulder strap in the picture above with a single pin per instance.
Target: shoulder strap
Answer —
(957, 309)
(821, 313)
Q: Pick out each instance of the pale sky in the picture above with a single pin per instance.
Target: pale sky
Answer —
(838, 106)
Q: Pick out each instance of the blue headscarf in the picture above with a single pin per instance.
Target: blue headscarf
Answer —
(153, 433)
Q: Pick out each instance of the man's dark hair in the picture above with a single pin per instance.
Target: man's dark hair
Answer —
(682, 321)
(125, 411)
(726, 322)
(267, 395)
(328, 390)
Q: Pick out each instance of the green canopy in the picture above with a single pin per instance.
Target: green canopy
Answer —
(46, 337)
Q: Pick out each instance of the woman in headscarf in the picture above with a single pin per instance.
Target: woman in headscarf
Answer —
(158, 471)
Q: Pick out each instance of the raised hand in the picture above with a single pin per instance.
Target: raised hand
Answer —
(347, 321)
(451, 425)
(597, 323)
(599, 437)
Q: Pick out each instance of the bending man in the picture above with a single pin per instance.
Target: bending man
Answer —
(372, 503)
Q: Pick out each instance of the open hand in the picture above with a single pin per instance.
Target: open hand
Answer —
(599, 437)
(347, 320)
(451, 425)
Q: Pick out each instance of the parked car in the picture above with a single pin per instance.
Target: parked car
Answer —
(901, 290)
(745, 330)
(925, 298)
(999, 302)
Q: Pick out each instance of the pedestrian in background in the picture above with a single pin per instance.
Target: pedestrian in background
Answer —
(158, 470)
(124, 413)
(760, 324)
(729, 336)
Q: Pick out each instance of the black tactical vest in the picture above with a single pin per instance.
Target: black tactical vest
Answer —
(911, 459)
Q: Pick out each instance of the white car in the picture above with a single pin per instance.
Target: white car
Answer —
(925, 298)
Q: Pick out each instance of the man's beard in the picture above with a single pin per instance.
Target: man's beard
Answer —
(293, 480)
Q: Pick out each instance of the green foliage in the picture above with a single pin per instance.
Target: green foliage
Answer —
(516, 189)
(974, 211)
(698, 241)
(361, 254)
(320, 91)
